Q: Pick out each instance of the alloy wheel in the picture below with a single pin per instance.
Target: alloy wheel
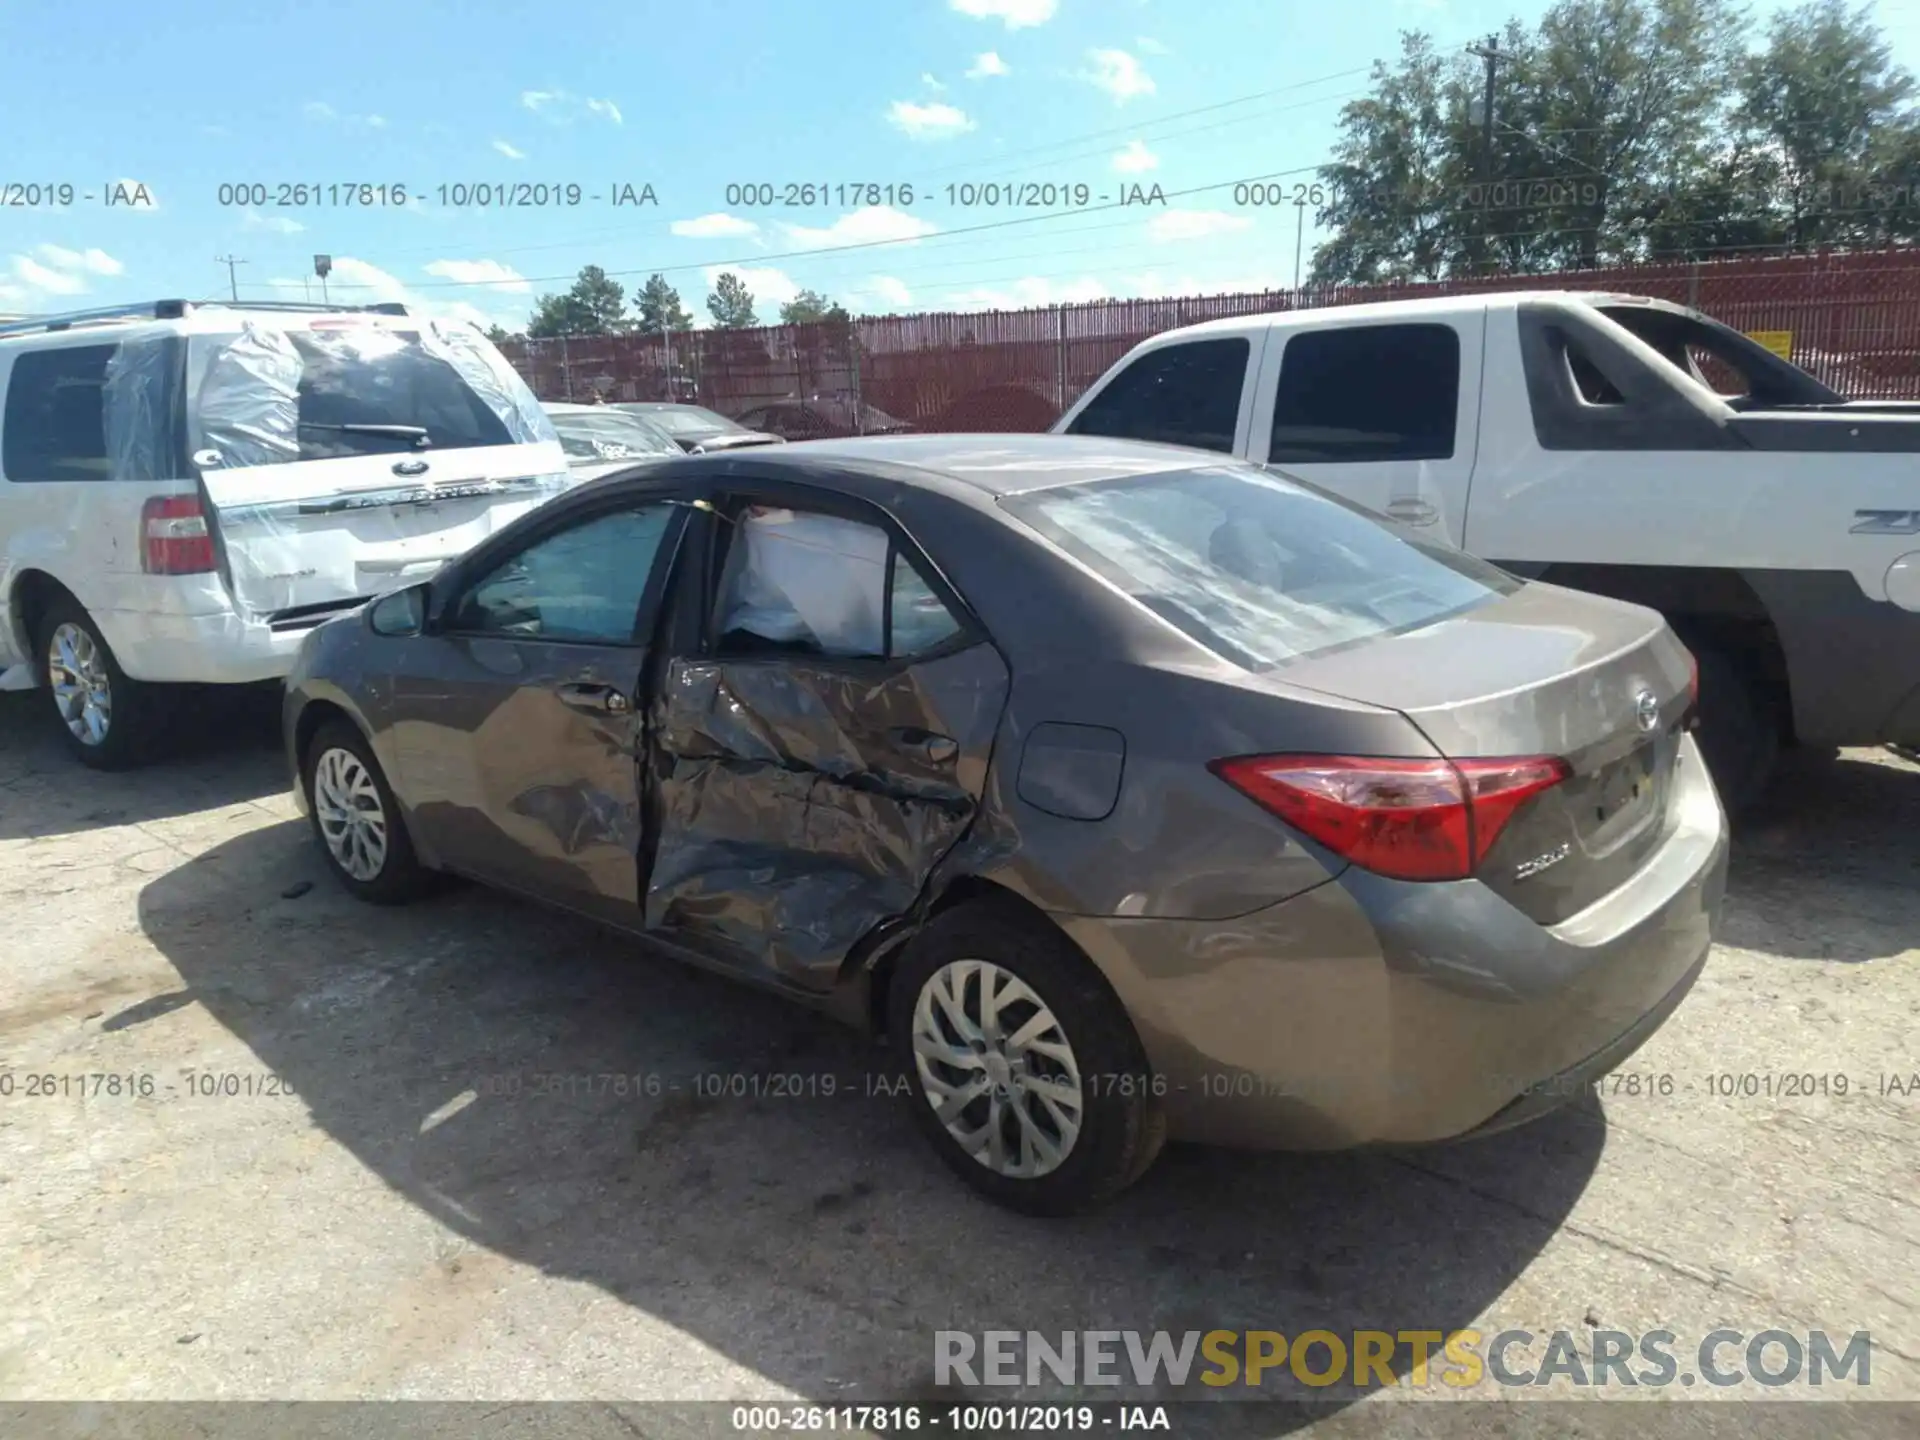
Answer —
(82, 689)
(353, 822)
(996, 1066)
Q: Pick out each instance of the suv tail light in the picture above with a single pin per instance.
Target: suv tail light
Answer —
(1408, 819)
(174, 536)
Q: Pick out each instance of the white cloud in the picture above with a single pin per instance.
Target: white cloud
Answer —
(278, 224)
(1136, 159)
(507, 150)
(713, 227)
(490, 273)
(1118, 73)
(1018, 14)
(377, 122)
(887, 290)
(769, 287)
(1195, 224)
(319, 110)
(1147, 45)
(357, 282)
(863, 226)
(1028, 292)
(322, 113)
(562, 107)
(52, 271)
(931, 81)
(936, 121)
(986, 63)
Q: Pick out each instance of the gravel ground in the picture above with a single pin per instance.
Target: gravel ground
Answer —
(387, 1200)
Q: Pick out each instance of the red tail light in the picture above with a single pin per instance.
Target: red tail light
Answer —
(175, 539)
(1408, 819)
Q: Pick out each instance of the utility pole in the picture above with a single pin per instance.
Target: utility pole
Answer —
(1491, 56)
(233, 286)
(1299, 236)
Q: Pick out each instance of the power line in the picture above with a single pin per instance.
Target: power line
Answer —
(233, 286)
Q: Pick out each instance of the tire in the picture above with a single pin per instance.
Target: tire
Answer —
(340, 775)
(106, 720)
(1121, 1123)
(1739, 731)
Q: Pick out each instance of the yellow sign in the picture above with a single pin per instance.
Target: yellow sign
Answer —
(1780, 342)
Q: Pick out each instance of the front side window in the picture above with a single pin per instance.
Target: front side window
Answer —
(1187, 394)
(1367, 393)
(807, 584)
(1259, 569)
(54, 421)
(582, 585)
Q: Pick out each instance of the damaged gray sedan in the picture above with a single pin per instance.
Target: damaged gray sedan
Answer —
(1133, 792)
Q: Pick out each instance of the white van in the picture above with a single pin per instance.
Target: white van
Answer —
(186, 489)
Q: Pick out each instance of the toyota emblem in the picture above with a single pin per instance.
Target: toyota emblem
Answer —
(1646, 710)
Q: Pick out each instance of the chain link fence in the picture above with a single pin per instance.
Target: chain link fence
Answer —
(1853, 320)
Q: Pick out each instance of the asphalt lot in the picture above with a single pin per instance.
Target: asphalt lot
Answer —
(403, 1224)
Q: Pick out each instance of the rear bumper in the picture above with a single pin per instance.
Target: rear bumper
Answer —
(224, 648)
(1377, 1011)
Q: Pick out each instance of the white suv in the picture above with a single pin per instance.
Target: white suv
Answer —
(186, 489)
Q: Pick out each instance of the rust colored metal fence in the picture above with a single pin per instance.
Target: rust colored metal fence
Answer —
(1852, 320)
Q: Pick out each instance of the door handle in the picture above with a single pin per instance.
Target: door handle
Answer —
(937, 748)
(607, 699)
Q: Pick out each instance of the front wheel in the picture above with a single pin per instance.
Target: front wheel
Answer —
(357, 821)
(1029, 1077)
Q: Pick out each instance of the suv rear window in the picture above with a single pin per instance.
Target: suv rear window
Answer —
(1259, 569)
(270, 396)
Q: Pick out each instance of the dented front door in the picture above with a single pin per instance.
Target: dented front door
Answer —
(801, 802)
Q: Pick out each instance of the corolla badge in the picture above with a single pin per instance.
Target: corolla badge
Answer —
(1646, 710)
(1527, 869)
(410, 467)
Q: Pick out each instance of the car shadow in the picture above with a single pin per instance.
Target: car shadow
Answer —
(1827, 868)
(221, 747)
(746, 1171)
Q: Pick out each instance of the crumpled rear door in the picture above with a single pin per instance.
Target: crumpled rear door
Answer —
(800, 802)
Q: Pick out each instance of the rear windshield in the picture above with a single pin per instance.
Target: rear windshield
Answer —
(1259, 569)
(270, 395)
(590, 436)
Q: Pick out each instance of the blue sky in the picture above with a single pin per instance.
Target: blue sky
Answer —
(187, 97)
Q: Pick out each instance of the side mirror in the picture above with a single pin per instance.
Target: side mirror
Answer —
(401, 612)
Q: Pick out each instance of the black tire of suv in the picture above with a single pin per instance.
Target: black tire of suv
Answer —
(401, 877)
(135, 708)
(1739, 731)
(1123, 1125)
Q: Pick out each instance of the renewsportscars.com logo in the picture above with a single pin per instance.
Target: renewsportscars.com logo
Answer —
(1417, 1359)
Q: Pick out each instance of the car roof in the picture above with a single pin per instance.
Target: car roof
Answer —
(1425, 306)
(990, 464)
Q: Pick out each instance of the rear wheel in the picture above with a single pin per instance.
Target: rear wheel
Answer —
(1739, 730)
(106, 720)
(357, 821)
(1030, 1079)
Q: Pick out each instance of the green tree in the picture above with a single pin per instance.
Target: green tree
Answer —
(809, 307)
(1824, 99)
(595, 305)
(731, 304)
(497, 334)
(657, 304)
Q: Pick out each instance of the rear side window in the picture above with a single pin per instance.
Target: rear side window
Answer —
(1179, 395)
(54, 429)
(1259, 569)
(1367, 393)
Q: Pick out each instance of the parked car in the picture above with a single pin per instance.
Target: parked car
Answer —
(697, 429)
(190, 488)
(821, 418)
(1572, 437)
(601, 439)
(1134, 792)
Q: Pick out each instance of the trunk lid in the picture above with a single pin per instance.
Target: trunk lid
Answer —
(325, 534)
(1600, 684)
